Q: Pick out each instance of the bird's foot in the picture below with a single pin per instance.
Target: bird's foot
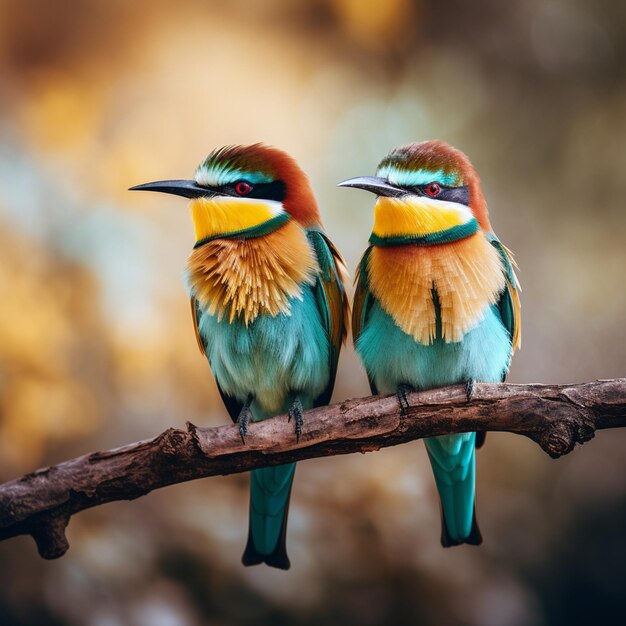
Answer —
(296, 412)
(244, 419)
(402, 399)
(469, 389)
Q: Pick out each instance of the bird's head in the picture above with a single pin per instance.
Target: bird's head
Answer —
(425, 189)
(244, 189)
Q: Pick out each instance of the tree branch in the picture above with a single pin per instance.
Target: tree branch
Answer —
(557, 417)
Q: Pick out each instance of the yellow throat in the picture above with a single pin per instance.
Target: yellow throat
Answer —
(415, 215)
(223, 214)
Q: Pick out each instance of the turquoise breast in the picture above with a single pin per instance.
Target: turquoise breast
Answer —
(272, 358)
(392, 357)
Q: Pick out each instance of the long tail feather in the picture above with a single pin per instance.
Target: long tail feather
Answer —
(270, 489)
(454, 465)
(480, 439)
(474, 538)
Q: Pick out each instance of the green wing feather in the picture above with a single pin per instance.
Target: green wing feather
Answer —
(362, 304)
(196, 314)
(331, 300)
(509, 303)
(233, 406)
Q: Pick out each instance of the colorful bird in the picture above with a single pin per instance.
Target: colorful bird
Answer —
(268, 305)
(436, 302)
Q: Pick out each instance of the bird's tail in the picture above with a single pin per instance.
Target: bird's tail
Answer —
(453, 459)
(270, 488)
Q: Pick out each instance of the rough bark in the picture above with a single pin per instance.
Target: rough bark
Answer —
(557, 417)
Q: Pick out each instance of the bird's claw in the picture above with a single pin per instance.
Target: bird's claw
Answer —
(402, 399)
(469, 389)
(296, 412)
(244, 419)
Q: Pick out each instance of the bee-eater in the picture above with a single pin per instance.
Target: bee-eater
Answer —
(268, 306)
(436, 302)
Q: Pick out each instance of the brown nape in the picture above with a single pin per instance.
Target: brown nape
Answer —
(299, 200)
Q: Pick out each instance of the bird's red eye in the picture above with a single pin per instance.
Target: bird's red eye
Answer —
(243, 188)
(433, 189)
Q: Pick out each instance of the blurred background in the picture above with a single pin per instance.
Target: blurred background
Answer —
(96, 343)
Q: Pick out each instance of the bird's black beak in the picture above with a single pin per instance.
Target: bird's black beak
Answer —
(184, 188)
(379, 186)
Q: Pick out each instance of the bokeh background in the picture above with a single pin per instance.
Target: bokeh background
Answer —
(97, 348)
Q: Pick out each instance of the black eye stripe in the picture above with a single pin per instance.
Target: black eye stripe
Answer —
(269, 191)
(459, 195)
(264, 191)
(455, 194)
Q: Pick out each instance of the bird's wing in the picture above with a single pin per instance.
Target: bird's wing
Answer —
(195, 317)
(331, 300)
(362, 303)
(233, 406)
(509, 303)
(508, 306)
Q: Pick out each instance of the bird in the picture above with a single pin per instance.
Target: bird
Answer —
(437, 302)
(268, 306)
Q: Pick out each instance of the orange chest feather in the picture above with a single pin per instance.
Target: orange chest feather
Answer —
(243, 278)
(467, 276)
